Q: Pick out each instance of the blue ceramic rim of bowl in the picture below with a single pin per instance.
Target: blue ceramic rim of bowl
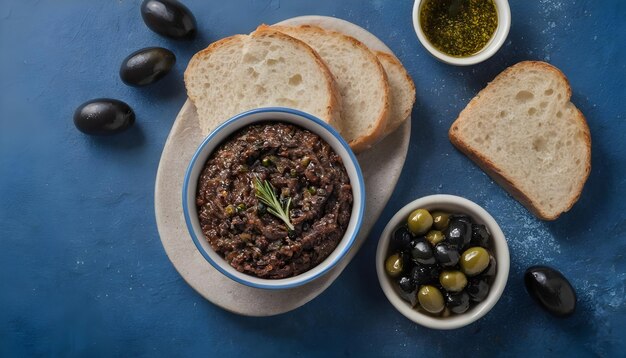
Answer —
(198, 153)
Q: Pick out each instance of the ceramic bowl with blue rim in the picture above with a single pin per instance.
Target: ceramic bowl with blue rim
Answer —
(302, 120)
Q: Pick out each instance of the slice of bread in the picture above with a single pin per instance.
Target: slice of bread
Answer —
(263, 69)
(525, 133)
(402, 91)
(361, 80)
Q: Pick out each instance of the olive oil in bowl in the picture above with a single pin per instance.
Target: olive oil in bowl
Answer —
(458, 28)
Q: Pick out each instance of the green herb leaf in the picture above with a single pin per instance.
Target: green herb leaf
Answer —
(264, 191)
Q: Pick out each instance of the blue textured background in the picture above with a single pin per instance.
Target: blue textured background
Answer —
(82, 270)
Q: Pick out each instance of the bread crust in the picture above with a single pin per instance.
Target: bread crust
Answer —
(376, 133)
(393, 124)
(333, 108)
(496, 173)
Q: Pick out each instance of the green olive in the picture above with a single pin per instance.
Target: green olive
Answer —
(434, 237)
(474, 260)
(266, 162)
(440, 220)
(431, 299)
(229, 210)
(394, 265)
(453, 281)
(241, 207)
(420, 221)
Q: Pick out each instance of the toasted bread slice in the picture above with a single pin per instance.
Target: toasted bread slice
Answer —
(525, 133)
(402, 91)
(263, 69)
(361, 80)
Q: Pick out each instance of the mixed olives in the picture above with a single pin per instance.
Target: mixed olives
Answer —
(442, 263)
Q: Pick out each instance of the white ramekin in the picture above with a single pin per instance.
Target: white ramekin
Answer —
(504, 24)
(451, 204)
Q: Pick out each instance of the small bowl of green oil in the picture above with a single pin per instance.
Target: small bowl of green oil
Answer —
(462, 32)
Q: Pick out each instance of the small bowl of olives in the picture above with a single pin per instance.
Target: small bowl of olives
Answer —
(442, 261)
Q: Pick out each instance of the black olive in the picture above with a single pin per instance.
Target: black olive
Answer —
(490, 271)
(461, 217)
(408, 290)
(480, 236)
(478, 289)
(103, 116)
(457, 302)
(420, 275)
(551, 290)
(423, 274)
(458, 233)
(401, 239)
(146, 66)
(406, 261)
(406, 284)
(422, 252)
(446, 255)
(169, 18)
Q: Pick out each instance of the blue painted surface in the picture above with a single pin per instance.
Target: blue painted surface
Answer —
(82, 270)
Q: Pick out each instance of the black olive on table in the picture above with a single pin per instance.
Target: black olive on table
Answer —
(169, 18)
(457, 302)
(446, 255)
(146, 66)
(103, 116)
(551, 290)
(422, 252)
(401, 239)
(477, 289)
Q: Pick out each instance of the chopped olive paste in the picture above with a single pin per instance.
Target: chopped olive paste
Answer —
(299, 165)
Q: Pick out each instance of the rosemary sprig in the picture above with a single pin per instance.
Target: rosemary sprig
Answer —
(265, 192)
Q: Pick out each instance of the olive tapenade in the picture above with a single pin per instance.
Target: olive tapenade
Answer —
(294, 169)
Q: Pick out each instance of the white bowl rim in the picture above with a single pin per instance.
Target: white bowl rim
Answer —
(501, 251)
(497, 40)
(291, 282)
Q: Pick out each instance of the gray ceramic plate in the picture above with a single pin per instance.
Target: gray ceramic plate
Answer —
(381, 167)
